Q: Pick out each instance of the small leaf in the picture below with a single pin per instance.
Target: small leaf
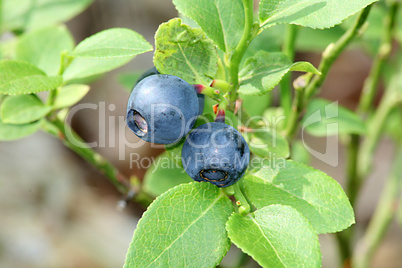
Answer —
(112, 43)
(104, 52)
(185, 52)
(70, 95)
(23, 109)
(324, 118)
(43, 47)
(264, 71)
(303, 66)
(276, 236)
(10, 132)
(222, 21)
(268, 143)
(29, 14)
(18, 77)
(184, 227)
(163, 174)
(308, 13)
(313, 193)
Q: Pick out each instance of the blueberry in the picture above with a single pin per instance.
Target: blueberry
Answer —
(217, 153)
(162, 108)
(153, 70)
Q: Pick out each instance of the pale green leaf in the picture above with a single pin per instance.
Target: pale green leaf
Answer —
(312, 192)
(163, 174)
(222, 21)
(265, 70)
(29, 14)
(43, 47)
(184, 227)
(309, 13)
(70, 95)
(88, 67)
(18, 77)
(185, 52)
(303, 66)
(276, 236)
(23, 109)
(324, 118)
(10, 132)
(112, 43)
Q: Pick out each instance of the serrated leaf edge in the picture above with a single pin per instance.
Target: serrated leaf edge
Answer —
(221, 194)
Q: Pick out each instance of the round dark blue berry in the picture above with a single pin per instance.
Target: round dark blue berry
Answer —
(216, 153)
(162, 108)
(153, 70)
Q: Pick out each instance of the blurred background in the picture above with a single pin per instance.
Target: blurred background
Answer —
(58, 211)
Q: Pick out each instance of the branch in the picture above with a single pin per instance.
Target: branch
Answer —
(371, 83)
(60, 130)
(286, 82)
(235, 59)
(329, 56)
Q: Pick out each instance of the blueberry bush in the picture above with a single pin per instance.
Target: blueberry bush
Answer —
(253, 186)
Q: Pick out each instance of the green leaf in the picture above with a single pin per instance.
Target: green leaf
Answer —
(222, 21)
(313, 193)
(308, 13)
(276, 236)
(163, 174)
(184, 227)
(324, 118)
(23, 109)
(264, 71)
(10, 132)
(29, 14)
(185, 52)
(268, 143)
(104, 52)
(43, 47)
(18, 77)
(87, 67)
(112, 43)
(70, 95)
